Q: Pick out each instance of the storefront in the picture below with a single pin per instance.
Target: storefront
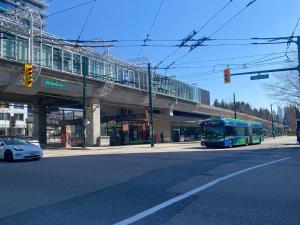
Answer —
(126, 132)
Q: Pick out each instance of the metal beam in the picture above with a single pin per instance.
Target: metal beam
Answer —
(266, 71)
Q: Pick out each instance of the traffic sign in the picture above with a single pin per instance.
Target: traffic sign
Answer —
(259, 77)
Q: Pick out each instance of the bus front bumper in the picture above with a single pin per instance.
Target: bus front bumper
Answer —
(219, 143)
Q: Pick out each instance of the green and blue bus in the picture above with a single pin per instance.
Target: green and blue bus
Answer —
(231, 132)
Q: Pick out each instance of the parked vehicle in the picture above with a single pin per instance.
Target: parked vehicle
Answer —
(32, 141)
(16, 148)
(231, 132)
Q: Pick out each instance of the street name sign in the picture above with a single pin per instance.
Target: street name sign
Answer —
(259, 77)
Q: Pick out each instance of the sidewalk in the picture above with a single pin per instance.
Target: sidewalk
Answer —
(159, 148)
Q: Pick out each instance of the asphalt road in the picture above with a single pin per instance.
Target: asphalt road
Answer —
(247, 185)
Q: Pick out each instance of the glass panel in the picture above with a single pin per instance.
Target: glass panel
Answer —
(47, 56)
(120, 75)
(130, 79)
(22, 49)
(57, 58)
(137, 80)
(115, 72)
(92, 67)
(102, 73)
(85, 66)
(125, 76)
(9, 46)
(76, 63)
(37, 54)
(67, 61)
(98, 70)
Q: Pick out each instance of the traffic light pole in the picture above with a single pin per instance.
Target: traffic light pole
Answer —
(150, 105)
(277, 70)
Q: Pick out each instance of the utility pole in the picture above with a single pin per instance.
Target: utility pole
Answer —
(273, 129)
(297, 68)
(150, 105)
(234, 105)
(84, 110)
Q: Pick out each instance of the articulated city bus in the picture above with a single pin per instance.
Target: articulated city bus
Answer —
(231, 132)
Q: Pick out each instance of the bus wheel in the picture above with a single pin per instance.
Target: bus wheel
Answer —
(247, 142)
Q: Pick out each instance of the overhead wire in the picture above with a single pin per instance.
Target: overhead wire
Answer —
(70, 8)
(234, 58)
(150, 30)
(196, 32)
(292, 35)
(201, 41)
(86, 19)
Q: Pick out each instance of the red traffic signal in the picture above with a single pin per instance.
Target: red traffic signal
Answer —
(227, 77)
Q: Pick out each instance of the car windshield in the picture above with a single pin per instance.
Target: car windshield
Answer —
(14, 141)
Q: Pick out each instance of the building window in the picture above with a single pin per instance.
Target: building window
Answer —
(22, 49)
(9, 46)
(76, 63)
(47, 56)
(57, 58)
(4, 116)
(67, 61)
(19, 117)
(18, 106)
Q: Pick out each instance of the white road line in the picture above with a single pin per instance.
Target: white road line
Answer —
(171, 201)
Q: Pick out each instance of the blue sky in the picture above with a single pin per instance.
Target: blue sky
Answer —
(131, 19)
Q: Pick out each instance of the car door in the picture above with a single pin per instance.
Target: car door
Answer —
(2, 148)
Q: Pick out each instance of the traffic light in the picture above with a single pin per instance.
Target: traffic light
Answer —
(28, 79)
(147, 116)
(227, 78)
(90, 109)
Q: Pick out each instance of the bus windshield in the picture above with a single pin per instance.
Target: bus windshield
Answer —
(214, 131)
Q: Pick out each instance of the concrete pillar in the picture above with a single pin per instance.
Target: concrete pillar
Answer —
(93, 129)
(40, 124)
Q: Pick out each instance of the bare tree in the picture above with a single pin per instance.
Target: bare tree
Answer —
(286, 88)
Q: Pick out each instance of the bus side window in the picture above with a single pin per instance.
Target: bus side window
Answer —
(229, 131)
(240, 131)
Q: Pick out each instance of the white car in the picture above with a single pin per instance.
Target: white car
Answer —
(15, 148)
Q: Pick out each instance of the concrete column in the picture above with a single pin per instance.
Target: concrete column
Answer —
(93, 129)
(40, 124)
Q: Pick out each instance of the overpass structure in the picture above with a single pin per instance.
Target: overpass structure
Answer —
(117, 91)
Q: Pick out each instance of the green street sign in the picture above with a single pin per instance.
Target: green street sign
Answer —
(52, 83)
(259, 77)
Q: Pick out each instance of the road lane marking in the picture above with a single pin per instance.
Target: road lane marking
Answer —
(171, 201)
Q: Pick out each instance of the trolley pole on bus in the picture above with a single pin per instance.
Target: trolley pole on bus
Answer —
(150, 105)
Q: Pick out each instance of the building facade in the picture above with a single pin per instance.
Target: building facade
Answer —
(13, 119)
(37, 5)
(122, 123)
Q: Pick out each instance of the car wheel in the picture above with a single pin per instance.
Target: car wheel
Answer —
(8, 156)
